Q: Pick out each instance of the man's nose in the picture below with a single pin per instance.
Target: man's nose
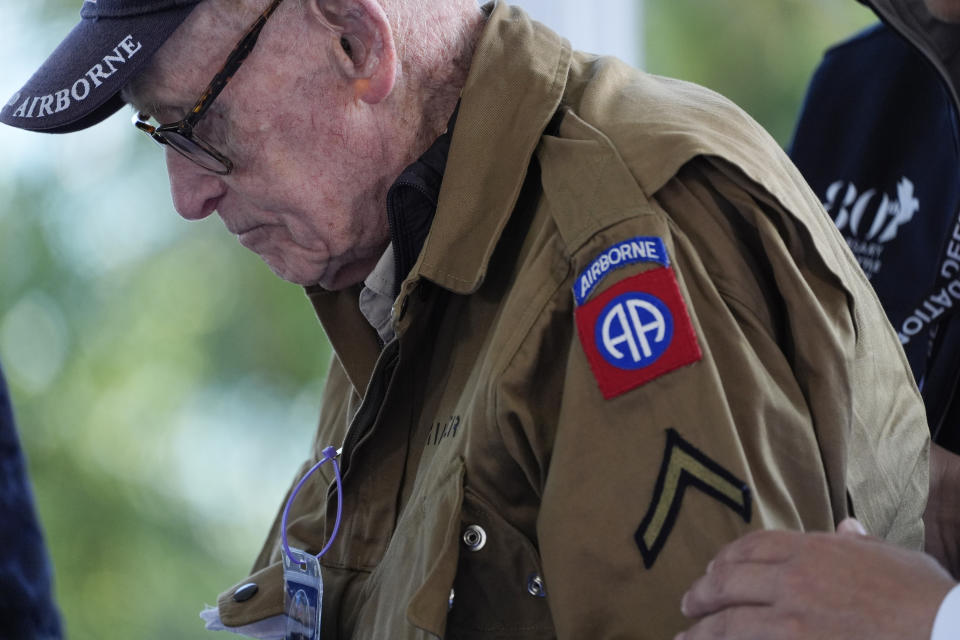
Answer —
(196, 193)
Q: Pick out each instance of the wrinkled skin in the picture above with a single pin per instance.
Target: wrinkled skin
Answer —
(780, 585)
(945, 10)
(311, 126)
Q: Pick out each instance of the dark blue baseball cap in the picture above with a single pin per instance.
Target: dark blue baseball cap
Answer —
(79, 84)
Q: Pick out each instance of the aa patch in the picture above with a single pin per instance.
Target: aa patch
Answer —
(639, 249)
(636, 331)
(686, 466)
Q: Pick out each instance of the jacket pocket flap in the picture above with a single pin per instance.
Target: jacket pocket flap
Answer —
(412, 583)
(255, 604)
(439, 530)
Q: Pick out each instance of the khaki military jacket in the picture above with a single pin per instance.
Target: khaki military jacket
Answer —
(501, 478)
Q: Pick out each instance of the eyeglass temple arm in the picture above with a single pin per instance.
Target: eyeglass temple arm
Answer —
(234, 60)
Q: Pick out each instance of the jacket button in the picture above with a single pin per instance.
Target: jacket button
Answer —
(244, 593)
(450, 601)
(535, 587)
(475, 537)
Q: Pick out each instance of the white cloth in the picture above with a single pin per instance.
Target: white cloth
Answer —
(274, 628)
(946, 626)
(376, 299)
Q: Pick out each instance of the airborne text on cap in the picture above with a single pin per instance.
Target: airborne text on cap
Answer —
(42, 106)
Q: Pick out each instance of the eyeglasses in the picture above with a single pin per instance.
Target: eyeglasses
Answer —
(179, 135)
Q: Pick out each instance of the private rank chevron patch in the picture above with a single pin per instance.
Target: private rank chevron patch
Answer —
(636, 331)
(684, 466)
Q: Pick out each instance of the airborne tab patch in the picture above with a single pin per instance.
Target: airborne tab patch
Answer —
(636, 331)
(686, 466)
(639, 249)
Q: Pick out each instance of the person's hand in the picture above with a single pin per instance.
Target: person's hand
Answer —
(941, 519)
(779, 585)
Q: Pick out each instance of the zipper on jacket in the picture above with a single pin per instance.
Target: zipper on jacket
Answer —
(370, 405)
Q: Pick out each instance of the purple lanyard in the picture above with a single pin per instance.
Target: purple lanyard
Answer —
(328, 454)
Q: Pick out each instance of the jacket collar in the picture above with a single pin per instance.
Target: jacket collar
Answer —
(938, 41)
(514, 87)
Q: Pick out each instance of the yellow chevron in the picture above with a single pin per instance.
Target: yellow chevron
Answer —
(684, 465)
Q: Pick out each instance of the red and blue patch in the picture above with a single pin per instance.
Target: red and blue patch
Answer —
(636, 331)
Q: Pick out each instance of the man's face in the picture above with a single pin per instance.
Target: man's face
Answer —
(945, 10)
(311, 168)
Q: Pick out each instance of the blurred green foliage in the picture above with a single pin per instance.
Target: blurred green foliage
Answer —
(153, 399)
(166, 383)
(758, 53)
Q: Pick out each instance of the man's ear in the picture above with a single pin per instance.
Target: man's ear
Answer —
(365, 53)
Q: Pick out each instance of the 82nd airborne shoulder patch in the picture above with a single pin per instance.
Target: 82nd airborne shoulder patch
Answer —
(636, 331)
(640, 249)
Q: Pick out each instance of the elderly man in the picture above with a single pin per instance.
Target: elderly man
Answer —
(590, 324)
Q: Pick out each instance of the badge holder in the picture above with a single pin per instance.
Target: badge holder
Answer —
(302, 595)
(302, 579)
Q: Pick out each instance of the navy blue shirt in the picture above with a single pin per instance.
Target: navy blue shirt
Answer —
(27, 610)
(877, 141)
